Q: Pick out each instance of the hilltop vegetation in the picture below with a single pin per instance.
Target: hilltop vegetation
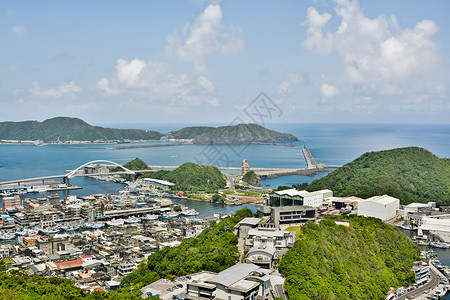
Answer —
(73, 129)
(242, 133)
(215, 250)
(363, 261)
(251, 178)
(70, 129)
(410, 174)
(190, 132)
(17, 285)
(192, 177)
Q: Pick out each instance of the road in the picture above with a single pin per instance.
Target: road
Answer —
(434, 281)
(279, 291)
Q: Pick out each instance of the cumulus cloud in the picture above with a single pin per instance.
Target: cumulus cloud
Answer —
(206, 35)
(65, 89)
(292, 79)
(328, 90)
(19, 30)
(379, 57)
(153, 81)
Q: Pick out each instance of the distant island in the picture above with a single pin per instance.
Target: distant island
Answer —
(64, 129)
(410, 174)
(237, 134)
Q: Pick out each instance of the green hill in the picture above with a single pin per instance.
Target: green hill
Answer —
(363, 261)
(190, 132)
(192, 177)
(70, 129)
(242, 133)
(213, 250)
(410, 174)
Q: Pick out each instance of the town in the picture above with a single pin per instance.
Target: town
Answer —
(97, 240)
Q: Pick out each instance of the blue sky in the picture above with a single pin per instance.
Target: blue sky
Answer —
(204, 62)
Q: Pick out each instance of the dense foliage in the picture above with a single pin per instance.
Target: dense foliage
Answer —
(363, 261)
(242, 133)
(69, 129)
(17, 285)
(190, 132)
(215, 250)
(251, 178)
(192, 177)
(410, 174)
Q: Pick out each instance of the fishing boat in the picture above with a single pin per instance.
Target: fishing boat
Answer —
(70, 227)
(5, 194)
(7, 236)
(190, 212)
(27, 232)
(132, 220)
(94, 225)
(50, 230)
(150, 217)
(170, 215)
(115, 222)
(439, 245)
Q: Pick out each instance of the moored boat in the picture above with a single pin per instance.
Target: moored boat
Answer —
(70, 228)
(115, 222)
(132, 220)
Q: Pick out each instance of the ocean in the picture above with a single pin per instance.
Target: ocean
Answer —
(333, 144)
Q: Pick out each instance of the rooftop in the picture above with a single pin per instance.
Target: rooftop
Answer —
(233, 274)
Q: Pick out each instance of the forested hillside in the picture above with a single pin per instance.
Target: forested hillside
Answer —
(410, 174)
(192, 177)
(70, 129)
(363, 261)
(215, 250)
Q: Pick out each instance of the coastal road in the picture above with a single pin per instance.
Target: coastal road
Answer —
(279, 291)
(434, 281)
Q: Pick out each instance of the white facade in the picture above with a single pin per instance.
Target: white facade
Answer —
(437, 225)
(381, 207)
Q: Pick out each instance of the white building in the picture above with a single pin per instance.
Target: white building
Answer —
(439, 225)
(239, 282)
(381, 207)
(292, 197)
(279, 240)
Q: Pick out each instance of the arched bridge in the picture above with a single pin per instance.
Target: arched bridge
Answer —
(73, 173)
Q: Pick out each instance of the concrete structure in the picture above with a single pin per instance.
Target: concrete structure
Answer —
(264, 257)
(245, 167)
(439, 225)
(382, 207)
(10, 202)
(279, 240)
(161, 183)
(242, 228)
(239, 282)
(292, 215)
(293, 197)
(413, 208)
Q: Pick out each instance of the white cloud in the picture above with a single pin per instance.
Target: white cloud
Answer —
(328, 90)
(152, 81)
(128, 72)
(68, 89)
(292, 79)
(379, 57)
(206, 35)
(19, 30)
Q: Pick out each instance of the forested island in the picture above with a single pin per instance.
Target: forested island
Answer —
(236, 134)
(362, 261)
(410, 174)
(62, 129)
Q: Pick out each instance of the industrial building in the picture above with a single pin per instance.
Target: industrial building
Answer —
(382, 207)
